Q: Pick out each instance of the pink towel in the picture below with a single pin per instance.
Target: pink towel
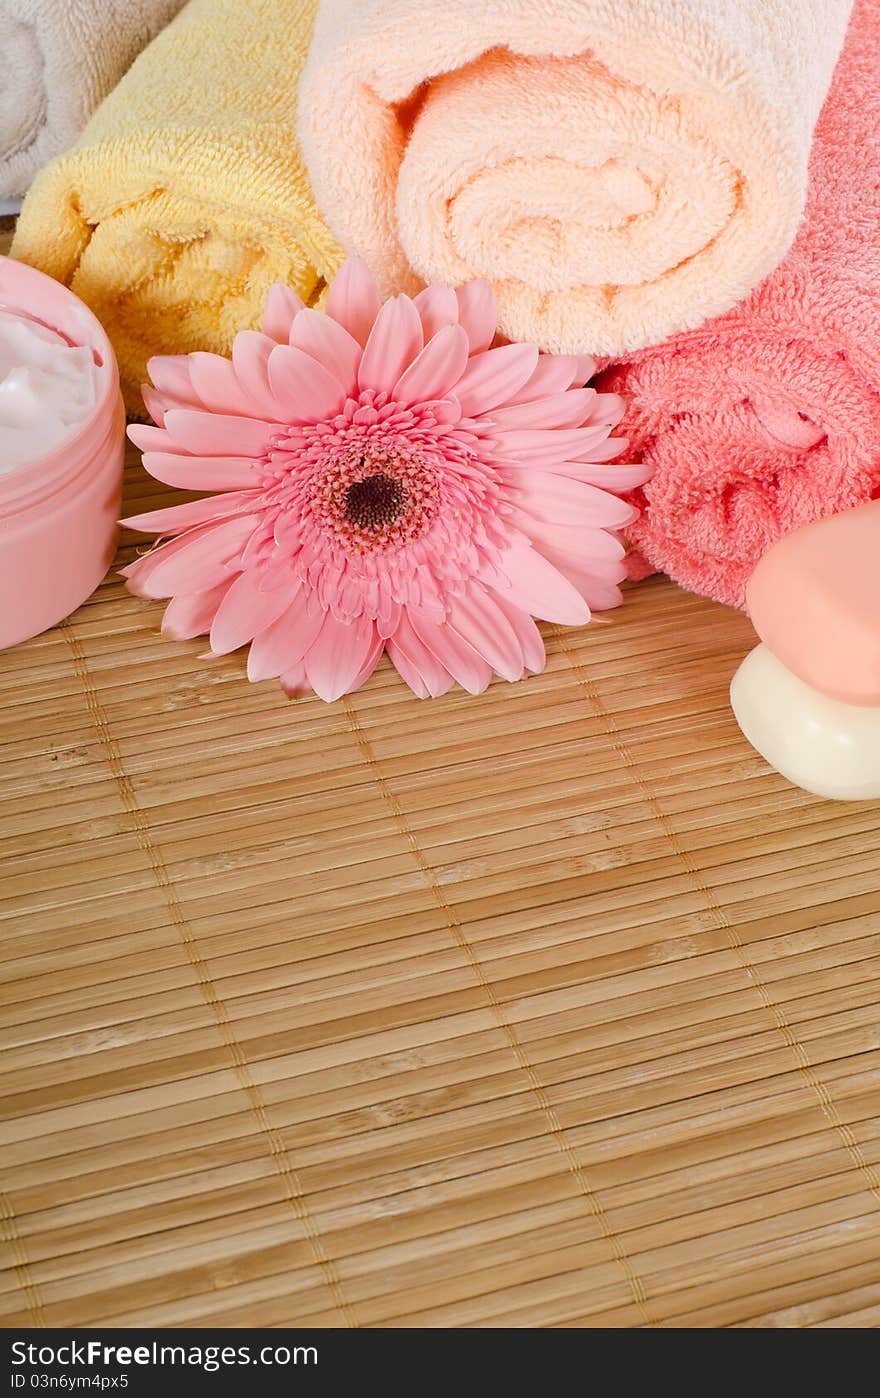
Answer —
(769, 417)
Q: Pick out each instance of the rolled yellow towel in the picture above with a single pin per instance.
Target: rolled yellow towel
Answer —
(186, 198)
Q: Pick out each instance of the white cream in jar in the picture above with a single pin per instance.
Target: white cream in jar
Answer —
(48, 389)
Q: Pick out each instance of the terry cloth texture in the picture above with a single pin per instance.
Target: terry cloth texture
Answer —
(769, 418)
(186, 198)
(618, 169)
(58, 60)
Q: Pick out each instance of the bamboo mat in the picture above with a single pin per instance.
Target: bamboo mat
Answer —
(549, 1008)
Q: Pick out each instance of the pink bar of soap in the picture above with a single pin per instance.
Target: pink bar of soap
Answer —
(814, 599)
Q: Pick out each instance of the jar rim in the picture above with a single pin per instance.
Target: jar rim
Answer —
(32, 293)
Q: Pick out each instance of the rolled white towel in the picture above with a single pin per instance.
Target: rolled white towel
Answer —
(58, 61)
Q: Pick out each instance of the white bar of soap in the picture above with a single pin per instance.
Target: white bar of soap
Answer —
(820, 744)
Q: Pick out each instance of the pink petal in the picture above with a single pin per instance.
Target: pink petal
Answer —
(202, 472)
(540, 589)
(553, 374)
(157, 403)
(559, 499)
(444, 410)
(593, 562)
(304, 390)
(607, 449)
(594, 549)
(532, 446)
(218, 387)
(139, 570)
(178, 518)
(337, 656)
(597, 582)
(388, 620)
(329, 344)
(602, 594)
(435, 371)
(475, 617)
(569, 409)
(605, 476)
(282, 307)
(196, 561)
(213, 434)
(408, 672)
(395, 340)
(478, 313)
(374, 655)
(170, 374)
(137, 573)
(294, 681)
(530, 639)
(609, 408)
(148, 438)
(251, 353)
(281, 646)
(437, 306)
(493, 377)
(192, 613)
(584, 370)
(354, 299)
(419, 667)
(246, 610)
(452, 652)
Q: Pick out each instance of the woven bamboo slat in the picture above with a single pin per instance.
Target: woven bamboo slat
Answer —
(550, 1008)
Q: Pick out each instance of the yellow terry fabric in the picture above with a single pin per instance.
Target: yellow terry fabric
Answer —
(186, 197)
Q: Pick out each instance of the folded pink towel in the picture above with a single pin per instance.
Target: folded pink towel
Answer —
(619, 170)
(769, 418)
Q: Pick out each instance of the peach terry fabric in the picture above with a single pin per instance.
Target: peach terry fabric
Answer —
(620, 170)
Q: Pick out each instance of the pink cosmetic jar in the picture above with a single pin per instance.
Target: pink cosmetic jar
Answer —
(59, 512)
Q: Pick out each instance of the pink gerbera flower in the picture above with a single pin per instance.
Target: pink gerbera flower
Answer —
(389, 482)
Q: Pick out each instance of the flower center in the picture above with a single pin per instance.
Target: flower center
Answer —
(375, 502)
(374, 491)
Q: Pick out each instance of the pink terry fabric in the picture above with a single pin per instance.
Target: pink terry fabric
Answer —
(768, 417)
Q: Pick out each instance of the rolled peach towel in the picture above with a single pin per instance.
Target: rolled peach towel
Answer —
(769, 418)
(58, 60)
(619, 170)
